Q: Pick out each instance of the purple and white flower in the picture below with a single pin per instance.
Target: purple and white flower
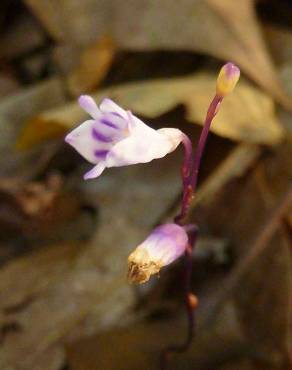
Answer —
(115, 137)
(164, 245)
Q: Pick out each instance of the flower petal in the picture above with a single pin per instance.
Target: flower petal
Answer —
(83, 140)
(95, 171)
(143, 145)
(108, 106)
(88, 104)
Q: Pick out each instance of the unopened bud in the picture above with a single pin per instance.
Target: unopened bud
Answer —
(193, 301)
(164, 245)
(227, 79)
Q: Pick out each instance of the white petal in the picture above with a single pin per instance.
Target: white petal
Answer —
(95, 171)
(143, 146)
(82, 139)
(108, 106)
(174, 136)
(88, 104)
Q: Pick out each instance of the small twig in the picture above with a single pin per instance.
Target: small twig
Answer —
(257, 248)
(287, 236)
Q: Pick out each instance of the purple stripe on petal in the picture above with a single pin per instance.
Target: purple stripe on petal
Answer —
(117, 114)
(108, 123)
(101, 153)
(100, 137)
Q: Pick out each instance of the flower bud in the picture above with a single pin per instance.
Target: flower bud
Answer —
(164, 245)
(227, 79)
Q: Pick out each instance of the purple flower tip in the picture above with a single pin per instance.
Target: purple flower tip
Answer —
(164, 245)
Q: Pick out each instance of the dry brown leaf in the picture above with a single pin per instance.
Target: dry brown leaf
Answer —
(226, 29)
(15, 109)
(22, 37)
(138, 346)
(66, 291)
(72, 21)
(246, 115)
(262, 300)
(95, 62)
(245, 46)
(8, 84)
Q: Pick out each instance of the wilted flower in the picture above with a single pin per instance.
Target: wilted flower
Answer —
(115, 137)
(164, 245)
(227, 79)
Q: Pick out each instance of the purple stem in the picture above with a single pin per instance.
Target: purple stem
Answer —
(211, 113)
(186, 173)
(190, 183)
(193, 232)
(188, 158)
(190, 173)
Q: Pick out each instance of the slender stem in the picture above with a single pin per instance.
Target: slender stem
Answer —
(190, 173)
(190, 300)
(188, 159)
(211, 113)
(190, 184)
(186, 173)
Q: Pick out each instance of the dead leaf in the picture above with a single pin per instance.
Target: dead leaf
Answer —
(15, 109)
(226, 29)
(8, 83)
(138, 346)
(94, 63)
(34, 211)
(32, 135)
(262, 300)
(246, 115)
(72, 21)
(15, 40)
(64, 292)
(237, 163)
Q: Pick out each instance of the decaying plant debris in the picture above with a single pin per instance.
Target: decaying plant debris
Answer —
(64, 299)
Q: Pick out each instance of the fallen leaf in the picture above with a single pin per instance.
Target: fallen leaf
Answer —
(15, 41)
(262, 293)
(32, 135)
(246, 115)
(8, 83)
(15, 109)
(62, 292)
(236, 164)
(138, 346)
(94, 63)
(226, 29)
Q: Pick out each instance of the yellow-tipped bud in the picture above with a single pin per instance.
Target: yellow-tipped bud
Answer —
(227, 79)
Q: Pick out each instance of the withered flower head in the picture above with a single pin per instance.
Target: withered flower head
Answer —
(164, 245)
